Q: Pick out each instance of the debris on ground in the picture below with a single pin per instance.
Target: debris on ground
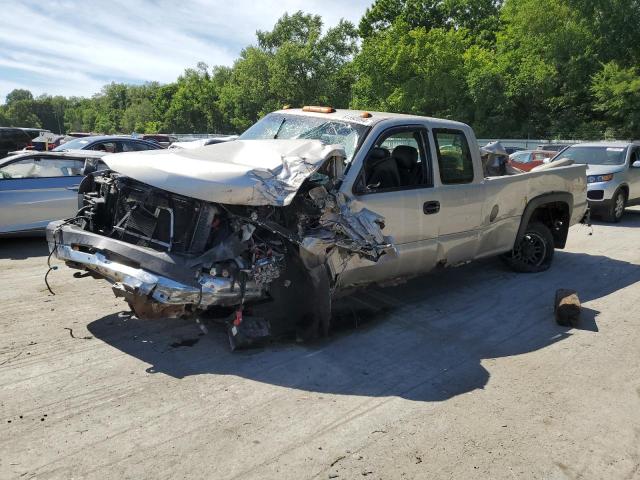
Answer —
(88, 337)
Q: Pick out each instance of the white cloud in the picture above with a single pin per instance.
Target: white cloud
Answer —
(73, 47)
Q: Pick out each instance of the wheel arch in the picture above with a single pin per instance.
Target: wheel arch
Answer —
(623, 187)
(553, 210)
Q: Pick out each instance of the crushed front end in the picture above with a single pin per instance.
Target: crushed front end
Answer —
(169, 255)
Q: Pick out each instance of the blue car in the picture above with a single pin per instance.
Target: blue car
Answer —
(109, 144)
(38, 187)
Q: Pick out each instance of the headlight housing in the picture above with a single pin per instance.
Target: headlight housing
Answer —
(600, 178)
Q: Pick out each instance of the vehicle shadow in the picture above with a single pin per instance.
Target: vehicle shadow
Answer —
(425, 340)
(22, 248)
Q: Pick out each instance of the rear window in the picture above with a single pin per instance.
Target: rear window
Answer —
(454, 157)
(77, 144)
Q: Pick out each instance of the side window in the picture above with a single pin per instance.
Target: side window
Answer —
(454, 157)
(539, 156)
(127, 146)
(396, 161)
(42, 168)
(105, 147)
(137, 147)
(521, 157)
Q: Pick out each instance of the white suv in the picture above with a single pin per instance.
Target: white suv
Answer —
(613, 175)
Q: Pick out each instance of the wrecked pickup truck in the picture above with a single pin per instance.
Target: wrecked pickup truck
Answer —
(306, 205)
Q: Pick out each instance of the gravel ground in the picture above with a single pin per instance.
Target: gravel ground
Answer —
(461, 374)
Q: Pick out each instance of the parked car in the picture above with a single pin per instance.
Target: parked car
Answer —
(613, 175)
(552, 147)
(43, 143)
(34, 132)
(511, 150)
(528, 159)
(12, 139)
(38, 187)
(160, 138)
(308, 204)
(189, 144)
(109, 144)
(81, 134)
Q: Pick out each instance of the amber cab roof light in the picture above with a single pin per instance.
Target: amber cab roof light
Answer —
(366, 115)
(317, 109)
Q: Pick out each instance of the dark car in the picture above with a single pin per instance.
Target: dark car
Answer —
(110, 144)
(12, 139)
(160, 138)
(552, 147)
(511, 150)
(81, 134)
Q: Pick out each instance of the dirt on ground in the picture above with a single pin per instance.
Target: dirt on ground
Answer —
(460, 374)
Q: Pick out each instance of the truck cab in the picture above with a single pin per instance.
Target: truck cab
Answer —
(307, 204)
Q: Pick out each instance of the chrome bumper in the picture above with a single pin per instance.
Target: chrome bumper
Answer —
(209, 291)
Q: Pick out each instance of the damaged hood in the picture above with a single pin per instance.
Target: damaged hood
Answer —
(242, 172)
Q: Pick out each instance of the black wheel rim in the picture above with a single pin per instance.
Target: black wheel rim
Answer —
(532, 250)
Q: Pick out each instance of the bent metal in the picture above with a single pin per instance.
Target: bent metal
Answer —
(332, 201)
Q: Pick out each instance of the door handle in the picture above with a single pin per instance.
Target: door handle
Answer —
(73, 187)
(429, 208)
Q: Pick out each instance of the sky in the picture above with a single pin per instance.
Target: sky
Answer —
(74, 47)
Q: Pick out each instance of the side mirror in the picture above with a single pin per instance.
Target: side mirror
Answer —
(636, 164)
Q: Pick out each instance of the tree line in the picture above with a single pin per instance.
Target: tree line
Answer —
(512, 68)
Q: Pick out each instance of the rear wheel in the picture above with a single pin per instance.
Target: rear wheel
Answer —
(616, 209)
(534, 251)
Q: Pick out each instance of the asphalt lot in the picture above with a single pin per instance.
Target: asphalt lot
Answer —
(461, 374)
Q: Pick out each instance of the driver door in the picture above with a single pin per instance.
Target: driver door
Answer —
(396, 182)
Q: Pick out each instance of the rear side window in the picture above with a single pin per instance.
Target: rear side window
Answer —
(139, 147)
(521, 157)
(454, 157)
(42, 168)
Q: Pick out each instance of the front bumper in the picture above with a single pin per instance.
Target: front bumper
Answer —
(600, 194)
(203, 291)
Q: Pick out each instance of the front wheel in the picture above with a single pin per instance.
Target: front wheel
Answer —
(534, 252)
(616, 210)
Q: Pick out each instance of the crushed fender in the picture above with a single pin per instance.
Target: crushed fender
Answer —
(175, 245)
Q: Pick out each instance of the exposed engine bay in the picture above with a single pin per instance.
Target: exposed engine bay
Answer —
(170, 255)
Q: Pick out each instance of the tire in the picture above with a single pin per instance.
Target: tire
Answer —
(534, 252)
(616, 209)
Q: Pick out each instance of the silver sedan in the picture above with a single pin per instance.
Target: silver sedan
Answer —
(38, 187)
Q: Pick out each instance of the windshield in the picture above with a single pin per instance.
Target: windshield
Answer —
(77, 144)
(287, 126)
(595, 155)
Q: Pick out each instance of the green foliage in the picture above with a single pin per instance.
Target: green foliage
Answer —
(17, 95)
(479, 17)
(295, 64)
(617, 94)
(415, 71)
(512, 68)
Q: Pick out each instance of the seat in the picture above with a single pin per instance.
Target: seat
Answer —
(381, 169)
(406, 158)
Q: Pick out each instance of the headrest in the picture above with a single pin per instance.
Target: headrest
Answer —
(377, 155)
(406, 156)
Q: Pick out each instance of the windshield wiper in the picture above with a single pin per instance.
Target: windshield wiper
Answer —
(279, 128)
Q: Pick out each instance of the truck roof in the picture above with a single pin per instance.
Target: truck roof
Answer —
(374, 118)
